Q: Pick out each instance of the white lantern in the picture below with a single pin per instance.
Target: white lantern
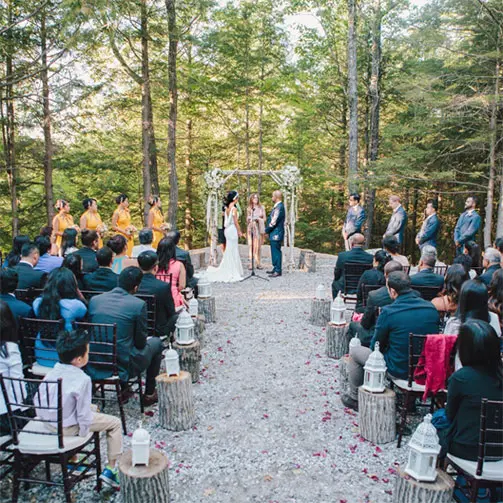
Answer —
(193, 307)
(204, 288)
(375, 372)
(423, 453)
(172, 361)
(140, 446)
(184, 328)
(321, 292)
(354, 342)
(337, 311)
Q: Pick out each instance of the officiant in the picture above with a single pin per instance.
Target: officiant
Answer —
(255, 222)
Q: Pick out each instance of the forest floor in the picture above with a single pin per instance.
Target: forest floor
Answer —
(270, 425)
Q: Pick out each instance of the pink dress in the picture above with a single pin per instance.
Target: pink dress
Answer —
(172, 275)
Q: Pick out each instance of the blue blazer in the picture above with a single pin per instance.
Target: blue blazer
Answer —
(275, 225)
(429, 230)
(397, 224)
(467, 227)
(355, 218)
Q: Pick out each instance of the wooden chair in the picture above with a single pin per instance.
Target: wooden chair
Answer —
(102, 367)
(352, 274)
(427, 292)
(38, 442)
(487, 471)
(366, 290)
(406, 269)
(440, 269)
(89, 294)
(151, 312)
(26, 295)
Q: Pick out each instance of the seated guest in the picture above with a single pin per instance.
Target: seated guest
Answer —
(103, 279)
(47, 262)
(472, 249)
(8, 284)
(426, 276)
(171, 270)
(61, 299)
(11, 365)
(184, 256)
(68, 242)
(45, 231)
(498, 244)
(90, 240)
(466, 262)
(74, 263)
(480, 377)
(165, 314)
(408, 313)
(374, 276)
(135, 353)
(473, 303)
(364, 329)
(391, 245)
(14, 256)
(28, 276)
(491, 263)
(448, 302)
(356, 254)
(496, 295)
(119, 245)
(146, 236)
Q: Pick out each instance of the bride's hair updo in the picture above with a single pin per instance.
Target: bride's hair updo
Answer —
(231, 196)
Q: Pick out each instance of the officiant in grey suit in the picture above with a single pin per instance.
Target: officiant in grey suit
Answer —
(398, 221)
(355, 218)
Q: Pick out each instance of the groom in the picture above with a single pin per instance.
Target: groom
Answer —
(275, 227)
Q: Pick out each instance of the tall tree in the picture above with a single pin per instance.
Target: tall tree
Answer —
(352, 97)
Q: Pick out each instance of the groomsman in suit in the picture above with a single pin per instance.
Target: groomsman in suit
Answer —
(468, 224)
(431, 225)
(28, 276)
(355, 218)
(275, 227)
(398, 220)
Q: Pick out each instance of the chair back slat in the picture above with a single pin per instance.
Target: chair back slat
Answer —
(440, 269)
(89, 294)
(366, 290)
(352, 274)
(490, 446)
(406, 269)
(151, 311)
(427, 292)
(167, 278)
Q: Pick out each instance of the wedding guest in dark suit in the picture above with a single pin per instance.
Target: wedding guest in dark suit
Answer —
(357, 255)
(28, 276)
(355, 218)
(103, 279)
(14, 256)
(90, 240)
(165, 314)
(47, 262)
(275, 228)
(184, 256)
(426, 276)
(8, 283)
(491, 263)
(468, 224)
(374, 276)
(431, 225)
(398, 221)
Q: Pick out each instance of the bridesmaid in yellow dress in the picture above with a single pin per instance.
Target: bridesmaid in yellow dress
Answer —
(155, 220)
(121, 222)
(91, 219)
(63, 220)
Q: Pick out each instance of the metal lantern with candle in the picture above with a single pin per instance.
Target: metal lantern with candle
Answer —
(424, 450)
(140, 446)
(321, 292)
(375, 372)
(204, 288)
(193, 307)
(338, 310)
(184, 328)
(172, 361)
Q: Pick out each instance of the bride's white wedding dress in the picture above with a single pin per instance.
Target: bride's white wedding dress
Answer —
(230, 269)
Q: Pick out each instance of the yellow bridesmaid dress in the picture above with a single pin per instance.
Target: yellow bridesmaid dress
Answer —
(64, 221)
(157, 221)
(123, 221)
(93, 221)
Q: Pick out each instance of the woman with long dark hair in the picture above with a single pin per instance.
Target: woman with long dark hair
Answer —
(73, 262)
(496, 295)
(454, 279)
(68, 242)
(171, 270)
(14, 256)
(60, 299)
(472, 249)
(374, 276)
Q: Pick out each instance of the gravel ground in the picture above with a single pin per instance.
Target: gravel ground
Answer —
(270, 425)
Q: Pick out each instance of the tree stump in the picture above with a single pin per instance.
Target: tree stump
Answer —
(409, 490)
(377, 413)
(337, 340)
(320, 312)
(190, 356)
(140, 483)
(307, 261)
(208, 309)
(343, 372)
(199, 328)
(176, 403)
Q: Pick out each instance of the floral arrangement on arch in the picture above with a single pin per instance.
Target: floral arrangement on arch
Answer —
(214, 179)
(291, 177)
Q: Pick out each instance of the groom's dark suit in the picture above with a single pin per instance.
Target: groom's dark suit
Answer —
(275, 227)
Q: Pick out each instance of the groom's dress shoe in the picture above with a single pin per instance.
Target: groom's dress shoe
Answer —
(275, 275)
(270, 272)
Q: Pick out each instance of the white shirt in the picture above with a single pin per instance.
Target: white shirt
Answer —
(77, 394)
(26, 262)
(140, 249)
(12, 366)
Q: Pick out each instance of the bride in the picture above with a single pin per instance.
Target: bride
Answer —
(230, 269)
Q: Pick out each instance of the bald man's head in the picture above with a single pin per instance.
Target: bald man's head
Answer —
(277, 195)
(357, 240)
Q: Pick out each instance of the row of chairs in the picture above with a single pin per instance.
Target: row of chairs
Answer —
(426, 292)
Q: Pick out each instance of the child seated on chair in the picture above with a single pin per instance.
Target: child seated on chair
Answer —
(79, 414)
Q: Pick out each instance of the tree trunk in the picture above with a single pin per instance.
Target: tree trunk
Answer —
(247, 128)
(44, 76)
(150, 176)
(408, 490)
(499, 224)
(207, 307)
(377, 416)
(353, 98)
(337, 343)
(190, 358)
(415, 202)
(320, 312)
(189, 169)
(493, 131)
(173, 110)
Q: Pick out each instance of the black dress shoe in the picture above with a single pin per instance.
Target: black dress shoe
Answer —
(270, 272)
(349, 402)
(275, 275)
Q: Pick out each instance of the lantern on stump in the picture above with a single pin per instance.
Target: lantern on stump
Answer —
(375, 372)
(172, 361)
(204, 288)
(184, 328)
(321, 292)
(140, 446)
(193, 307)
(337, 311)
(354, 342)
(424, 449)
